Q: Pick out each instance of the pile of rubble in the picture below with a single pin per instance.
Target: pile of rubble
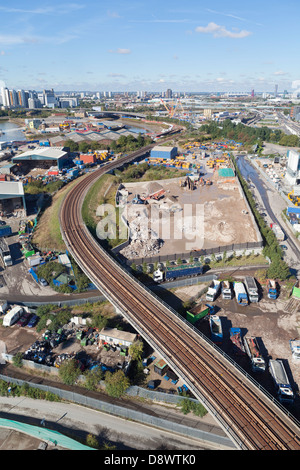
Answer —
(142, 248)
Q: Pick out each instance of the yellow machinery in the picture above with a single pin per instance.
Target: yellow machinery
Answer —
(294, 199)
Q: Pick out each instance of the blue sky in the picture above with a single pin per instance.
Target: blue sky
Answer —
(196, 45)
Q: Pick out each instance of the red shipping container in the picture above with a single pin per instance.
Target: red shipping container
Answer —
(88, 158)
(2, 177)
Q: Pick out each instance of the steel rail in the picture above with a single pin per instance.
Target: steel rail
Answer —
(250, 418)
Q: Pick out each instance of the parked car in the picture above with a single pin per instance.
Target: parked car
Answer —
(24, 319)
(33, 321)
(43, 282)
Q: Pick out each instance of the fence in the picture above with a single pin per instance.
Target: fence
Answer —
(207, 252)
(127, 413)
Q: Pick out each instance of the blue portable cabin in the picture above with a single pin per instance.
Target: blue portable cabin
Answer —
(160, 151)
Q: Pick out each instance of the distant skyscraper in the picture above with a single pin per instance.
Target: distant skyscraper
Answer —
(252, 93)
(5, 97)
(276, 90)
(169, 93)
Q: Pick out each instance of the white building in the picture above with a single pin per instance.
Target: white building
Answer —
(292, 175)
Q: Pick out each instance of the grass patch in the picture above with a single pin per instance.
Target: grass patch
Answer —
(47, 235)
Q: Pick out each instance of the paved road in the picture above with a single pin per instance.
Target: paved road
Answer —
(268, 202)
(79, 421)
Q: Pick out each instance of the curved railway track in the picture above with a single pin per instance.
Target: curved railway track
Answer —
(251, 418)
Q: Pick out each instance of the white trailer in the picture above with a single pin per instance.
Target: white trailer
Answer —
(252, 289)
(226, 290)
(284, 390)
(12, 316)
(295, 347)
(258, 363)
(5, 252)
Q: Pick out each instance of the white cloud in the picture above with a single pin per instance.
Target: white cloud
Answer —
(58, 9)
(120, 51)
(280, 72)
(219, 31)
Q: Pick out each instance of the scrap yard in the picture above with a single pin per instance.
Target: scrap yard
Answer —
(163, 216)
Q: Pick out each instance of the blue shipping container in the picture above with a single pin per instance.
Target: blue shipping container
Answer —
(5, 230)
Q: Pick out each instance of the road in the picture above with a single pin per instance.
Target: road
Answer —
(77, 421)
(269, 201)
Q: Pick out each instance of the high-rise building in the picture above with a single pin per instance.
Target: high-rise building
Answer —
(50, 99)
(276, 91)
(169, 93)
(22, 98)
(5, 97)
(13, 98)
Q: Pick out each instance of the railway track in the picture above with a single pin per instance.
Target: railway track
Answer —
(251, 418)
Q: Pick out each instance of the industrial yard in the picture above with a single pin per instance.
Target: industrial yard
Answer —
(170, 200)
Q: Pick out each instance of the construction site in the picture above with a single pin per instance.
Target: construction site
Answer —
(187, 214)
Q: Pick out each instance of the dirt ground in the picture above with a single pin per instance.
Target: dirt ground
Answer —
(174, 218)
(269, 322)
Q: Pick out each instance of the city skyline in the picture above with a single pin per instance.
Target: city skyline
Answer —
(137, 46)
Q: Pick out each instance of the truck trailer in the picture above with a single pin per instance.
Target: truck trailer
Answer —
(252, 289)
(258, 363)
(173, 272)
(295, 348)
(216, 329)
(237, 343)
(5, 252)
(283, 387)
(226, 290)
(213, 290)
(272, 289)
(240, 293)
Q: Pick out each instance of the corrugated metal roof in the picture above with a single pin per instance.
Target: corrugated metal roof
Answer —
(11, 188)
(39, 153)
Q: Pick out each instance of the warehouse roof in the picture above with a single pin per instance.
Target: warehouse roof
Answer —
(11, 189)
(118, 334)
(52, 153)
(162, 148)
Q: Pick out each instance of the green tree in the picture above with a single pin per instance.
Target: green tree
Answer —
(116, 383)
(69, 371)
(136, 350)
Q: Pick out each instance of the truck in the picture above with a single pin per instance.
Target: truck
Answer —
(197, 313)
(284, 390)
(12, 316)
(272, 289)
(226, 290)
(213, 290)
(173, 272)
(235, 335)
(252, 289)
(279, 233)
(216, 329)
(295, 347)
(5, 252)
(258, 363)
(240, 293)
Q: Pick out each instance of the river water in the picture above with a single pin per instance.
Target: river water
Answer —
(11, 131)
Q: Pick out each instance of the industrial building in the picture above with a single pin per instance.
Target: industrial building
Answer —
(159, 151)
(42, 158)
(292, 175)
(11, 197)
